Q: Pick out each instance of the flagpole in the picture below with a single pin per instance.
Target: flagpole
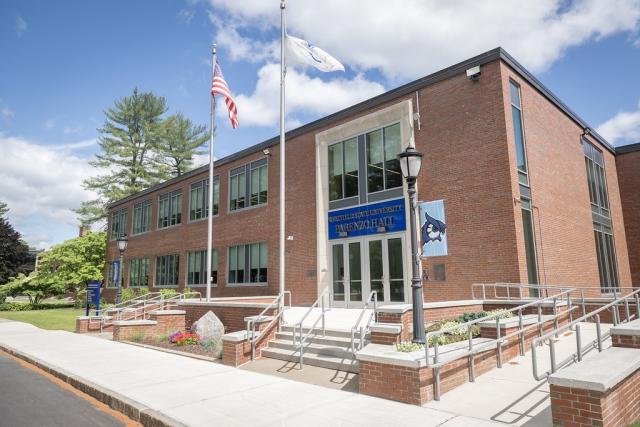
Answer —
(283, 72)
(210, 195)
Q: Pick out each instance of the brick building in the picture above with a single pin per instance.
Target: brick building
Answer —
(628, 165)
(528, 194)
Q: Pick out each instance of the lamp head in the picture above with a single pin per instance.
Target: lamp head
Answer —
(122, 243)
(410, 163)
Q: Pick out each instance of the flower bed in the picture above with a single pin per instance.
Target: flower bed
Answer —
(454, 334)
(186, 342)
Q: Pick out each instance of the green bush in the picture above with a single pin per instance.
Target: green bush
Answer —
(17, 306)
(168, 293)
(408, 347)
(81, 298)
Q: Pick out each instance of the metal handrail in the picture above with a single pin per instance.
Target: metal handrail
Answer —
(102, 314)
(302, 339)
(251, 323)
(508, 286)
(580, 349)
(499, 340)
(363, 330)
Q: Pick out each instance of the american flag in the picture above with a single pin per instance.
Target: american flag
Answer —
(219, 86)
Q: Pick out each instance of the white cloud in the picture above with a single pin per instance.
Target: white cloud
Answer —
(21, 26)
(72, 129)
(6, 113)
(185, 15)
(42, 183)
(49, 124)
(624, 127)
(411, 38)
(241, 47)
(304, 95)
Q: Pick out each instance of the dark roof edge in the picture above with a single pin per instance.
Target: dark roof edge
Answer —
(629, 148)
(483, 58)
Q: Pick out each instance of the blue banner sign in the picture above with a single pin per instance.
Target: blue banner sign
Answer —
(433, 229)
(93, 295)
(384, 217)
(115, 272)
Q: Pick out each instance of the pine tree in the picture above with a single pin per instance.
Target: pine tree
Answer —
(130, 141)
(3, 209)
(180, 143)
(14, 253)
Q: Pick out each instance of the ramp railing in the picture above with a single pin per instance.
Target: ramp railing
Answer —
(278, 302)
(434, 360)
(581, 350)
(319, 303)
(373, 316)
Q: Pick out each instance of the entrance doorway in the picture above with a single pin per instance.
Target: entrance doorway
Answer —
(365, 264)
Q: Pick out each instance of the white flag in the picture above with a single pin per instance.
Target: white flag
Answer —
(303, 52)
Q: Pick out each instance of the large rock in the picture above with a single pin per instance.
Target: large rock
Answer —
(210, 329)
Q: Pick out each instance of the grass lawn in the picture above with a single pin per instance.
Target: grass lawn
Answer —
(60, 318)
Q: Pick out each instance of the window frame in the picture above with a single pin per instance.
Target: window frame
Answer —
(247, 257)
(170, 195)
(124, 223)
(343, 175)
(176, 257)
(384, 161)
(137, 270)
(204, 183)
(597, 175)
(246, 169)
(141, 205)
(520, 172)
(214, 252)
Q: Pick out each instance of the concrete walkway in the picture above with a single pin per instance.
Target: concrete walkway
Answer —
(197, 393)
(511, 395)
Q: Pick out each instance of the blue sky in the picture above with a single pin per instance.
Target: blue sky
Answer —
(64, 63)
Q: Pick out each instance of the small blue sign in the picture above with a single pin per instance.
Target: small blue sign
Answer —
(93, 295)
(383, 217)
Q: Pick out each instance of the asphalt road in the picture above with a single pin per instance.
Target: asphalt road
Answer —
(29, 399)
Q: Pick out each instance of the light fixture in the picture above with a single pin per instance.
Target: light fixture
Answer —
(122, 243)
(266, 152)
(410, 163)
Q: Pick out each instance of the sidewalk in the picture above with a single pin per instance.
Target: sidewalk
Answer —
(186, 391)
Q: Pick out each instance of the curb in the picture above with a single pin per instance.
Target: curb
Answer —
(132, 409)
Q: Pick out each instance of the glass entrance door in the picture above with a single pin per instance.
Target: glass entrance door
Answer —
(347, 273)
(362, 265)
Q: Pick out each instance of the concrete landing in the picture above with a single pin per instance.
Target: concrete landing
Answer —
(340, 319)
(511, 395)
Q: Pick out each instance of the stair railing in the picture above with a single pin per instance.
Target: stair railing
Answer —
(581, 350)
(298, 325)
(251, 323)
(373, 296)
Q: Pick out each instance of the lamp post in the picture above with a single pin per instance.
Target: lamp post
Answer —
(122, 245)
(410, 162)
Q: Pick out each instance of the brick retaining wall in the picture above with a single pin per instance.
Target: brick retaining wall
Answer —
(232, 316)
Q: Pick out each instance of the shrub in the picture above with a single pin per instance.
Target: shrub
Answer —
(17, 306)
(80, 298)
(138, 337)
(212, 346)
(408, 347)
(168, 293)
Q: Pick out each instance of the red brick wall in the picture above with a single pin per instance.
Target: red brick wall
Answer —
(231, 317)
(562, 210)
(628, 341)
(619, 406)
(238, 353)
(628, 166)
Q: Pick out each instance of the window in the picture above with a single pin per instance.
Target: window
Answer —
(255, 193)
(197, 267)
(139, 272)
(343, 169)
(596, 179)
(248, 263)
(142, 217)
(518, 130)
(383, 166)
(606, 251)
(199, 199)
(167, 270)
(170, 209)
(529, 241)
(118, 224)
(259, 184)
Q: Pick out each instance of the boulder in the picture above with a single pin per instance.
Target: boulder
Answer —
(210, 329)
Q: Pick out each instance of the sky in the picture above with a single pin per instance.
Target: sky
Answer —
(63, 63)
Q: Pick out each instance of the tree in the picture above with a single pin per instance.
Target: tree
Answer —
(14, 253)
(33, 287)
(180, 142)
(71, 264)
(130, 140)
(3, 209)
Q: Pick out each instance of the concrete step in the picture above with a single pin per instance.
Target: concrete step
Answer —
(343, 351)
(327, 340)
(322, 361)
(340, 333)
